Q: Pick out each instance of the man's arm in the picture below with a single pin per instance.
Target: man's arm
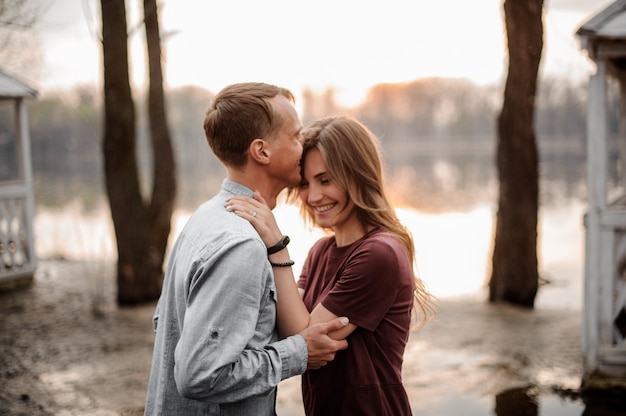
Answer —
(320, 346)
(223, 352)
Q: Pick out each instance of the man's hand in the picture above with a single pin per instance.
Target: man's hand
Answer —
(321, 347)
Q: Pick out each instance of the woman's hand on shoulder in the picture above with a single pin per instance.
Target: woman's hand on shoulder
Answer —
(258, 213)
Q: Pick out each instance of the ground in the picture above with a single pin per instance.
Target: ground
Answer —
(67, 349)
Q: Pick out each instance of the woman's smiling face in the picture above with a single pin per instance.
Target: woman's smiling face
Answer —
(328, 203)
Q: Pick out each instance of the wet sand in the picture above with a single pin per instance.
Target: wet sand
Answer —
(67, 349)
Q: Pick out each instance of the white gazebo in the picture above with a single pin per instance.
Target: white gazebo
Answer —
(17, 249)
(604, 324)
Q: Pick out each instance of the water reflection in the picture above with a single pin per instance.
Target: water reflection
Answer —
(529, 401)
(522, 401)
(604, 403)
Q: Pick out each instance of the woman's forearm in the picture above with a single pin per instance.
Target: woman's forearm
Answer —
(292, 314)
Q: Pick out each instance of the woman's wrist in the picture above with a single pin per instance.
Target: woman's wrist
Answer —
(279, 246)
(279, 257)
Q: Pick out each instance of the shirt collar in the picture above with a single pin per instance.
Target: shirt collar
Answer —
(237, 188)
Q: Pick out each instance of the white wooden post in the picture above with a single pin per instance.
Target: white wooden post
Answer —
(23, 135)
(596, 186)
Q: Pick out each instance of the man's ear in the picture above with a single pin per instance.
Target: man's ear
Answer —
(259, 151)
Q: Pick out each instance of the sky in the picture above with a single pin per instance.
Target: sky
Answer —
(349, 45)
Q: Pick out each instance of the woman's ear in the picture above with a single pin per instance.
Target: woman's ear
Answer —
(259, 151)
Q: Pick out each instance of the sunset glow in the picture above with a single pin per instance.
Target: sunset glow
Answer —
(348, 45)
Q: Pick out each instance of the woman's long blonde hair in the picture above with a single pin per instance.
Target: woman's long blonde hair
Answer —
(353, 160)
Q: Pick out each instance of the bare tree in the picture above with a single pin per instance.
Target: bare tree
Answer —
(141, 227)
(515, 277)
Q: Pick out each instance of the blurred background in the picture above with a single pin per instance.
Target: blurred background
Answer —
(427, 77)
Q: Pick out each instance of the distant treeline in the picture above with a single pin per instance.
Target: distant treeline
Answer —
(419, 123)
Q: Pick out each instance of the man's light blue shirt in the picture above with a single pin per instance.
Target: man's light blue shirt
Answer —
(216, 349)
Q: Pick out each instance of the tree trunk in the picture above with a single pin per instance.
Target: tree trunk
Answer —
(141, 229)
(515, 275)
(164, 177)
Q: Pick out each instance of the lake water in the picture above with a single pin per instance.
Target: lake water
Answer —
(453, 249)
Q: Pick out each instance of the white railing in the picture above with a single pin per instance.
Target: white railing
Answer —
(17, 254)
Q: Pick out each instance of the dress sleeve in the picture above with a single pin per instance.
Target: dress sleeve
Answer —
(220, 355)
(368, 284)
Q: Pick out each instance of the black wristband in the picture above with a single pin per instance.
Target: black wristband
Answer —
(278, 246)
(285, 264)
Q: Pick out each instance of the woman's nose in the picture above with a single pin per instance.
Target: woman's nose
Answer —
(314, 194)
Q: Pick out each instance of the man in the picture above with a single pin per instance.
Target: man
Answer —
(216, 348)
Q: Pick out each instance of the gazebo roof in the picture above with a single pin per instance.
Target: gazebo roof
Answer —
(609, 23)
(12, 88)
(604, 35)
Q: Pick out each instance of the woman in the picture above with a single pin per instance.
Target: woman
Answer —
(363, 270)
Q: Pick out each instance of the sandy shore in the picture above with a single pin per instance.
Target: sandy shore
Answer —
(67, 349)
